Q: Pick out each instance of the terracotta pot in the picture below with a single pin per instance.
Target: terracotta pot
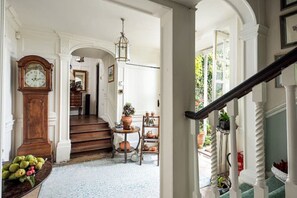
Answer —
(122, 145)
(127, 120)
(200, 139)
(150, 134)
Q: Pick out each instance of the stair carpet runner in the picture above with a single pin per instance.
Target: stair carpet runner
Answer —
(89, 135)
(276, 189)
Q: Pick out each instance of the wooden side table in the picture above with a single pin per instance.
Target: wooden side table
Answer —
(125, 132)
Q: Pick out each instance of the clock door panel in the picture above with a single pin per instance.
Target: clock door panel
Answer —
(36, 120)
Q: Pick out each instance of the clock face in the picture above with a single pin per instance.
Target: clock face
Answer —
(35, 76)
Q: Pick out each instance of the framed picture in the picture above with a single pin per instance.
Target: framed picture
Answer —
(80, 78)
(111, 73)
(288, 28)
(287, 3)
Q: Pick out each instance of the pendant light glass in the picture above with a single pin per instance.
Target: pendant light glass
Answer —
(122, 46)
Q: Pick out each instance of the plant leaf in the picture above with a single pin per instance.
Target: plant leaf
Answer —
(31, 179)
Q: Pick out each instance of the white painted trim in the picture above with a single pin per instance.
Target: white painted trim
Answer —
(13, 16)
(9, 125)
(2, 33)
(278, 109)
(63, 151)
(275, 110)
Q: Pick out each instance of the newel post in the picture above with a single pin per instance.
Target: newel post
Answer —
(289, 81)
(259, 97)
(213, 121)
(232, 109)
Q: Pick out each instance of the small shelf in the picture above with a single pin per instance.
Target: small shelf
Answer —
(154, 126)
(123, 151)
(155, 130)
(152, 152)
(151, 140)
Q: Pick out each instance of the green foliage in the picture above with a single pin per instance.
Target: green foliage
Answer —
(199, 80)
(207, 141)
(128, 109)
(223, 116)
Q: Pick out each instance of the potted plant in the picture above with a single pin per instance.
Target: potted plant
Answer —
(224, 184)
(128, 111)
(224, 122)
(201, 136)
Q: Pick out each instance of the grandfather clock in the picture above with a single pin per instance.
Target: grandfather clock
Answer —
(35, 82)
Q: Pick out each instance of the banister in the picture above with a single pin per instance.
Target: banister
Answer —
(265, 75)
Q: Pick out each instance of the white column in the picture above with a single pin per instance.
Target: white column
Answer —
(213, 121)
(289, 81)
(64, 145)
(259, 97)
(232, 109)
(2, 32)
(176, 165)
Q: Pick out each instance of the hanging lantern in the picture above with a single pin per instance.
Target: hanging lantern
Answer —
(122, 47)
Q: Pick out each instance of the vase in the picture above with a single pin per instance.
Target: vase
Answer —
(127, 120)
(122, 145)
(200, 139)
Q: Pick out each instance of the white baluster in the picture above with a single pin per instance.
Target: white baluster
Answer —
(259, 97)
(194, 132)
(213, 121)
(289, 81)
(232, 109)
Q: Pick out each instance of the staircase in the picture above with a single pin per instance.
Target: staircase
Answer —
(89, 135)
(276, 189)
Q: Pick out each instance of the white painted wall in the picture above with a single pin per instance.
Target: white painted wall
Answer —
(43, 44)
(274, 48)
(9, 87)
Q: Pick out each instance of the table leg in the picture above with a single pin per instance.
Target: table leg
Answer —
(113, 146)
(79, 111)
(125, 148)
(138, 142)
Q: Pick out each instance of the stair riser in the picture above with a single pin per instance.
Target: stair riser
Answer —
(89, 135)
(89, 127)
(91, 145)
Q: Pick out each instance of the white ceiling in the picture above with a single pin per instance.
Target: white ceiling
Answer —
(100, 19)
(211, 15)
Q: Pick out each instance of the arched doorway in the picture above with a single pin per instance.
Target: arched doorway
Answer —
(89, 87)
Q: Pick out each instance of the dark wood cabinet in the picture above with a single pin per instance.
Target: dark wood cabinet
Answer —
(76, 100)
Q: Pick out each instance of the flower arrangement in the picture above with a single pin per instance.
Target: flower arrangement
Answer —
(22, 168)
(128, 110)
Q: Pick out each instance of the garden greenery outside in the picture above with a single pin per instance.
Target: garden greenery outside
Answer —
(200, 65)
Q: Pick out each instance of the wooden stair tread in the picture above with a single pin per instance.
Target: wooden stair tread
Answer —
(88, 133)
(87, 123)
(89, 130)
(75, 140)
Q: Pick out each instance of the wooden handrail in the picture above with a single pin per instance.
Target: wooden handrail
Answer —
(265, 75)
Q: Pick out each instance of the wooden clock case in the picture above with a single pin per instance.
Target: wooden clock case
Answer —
(35, 110)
